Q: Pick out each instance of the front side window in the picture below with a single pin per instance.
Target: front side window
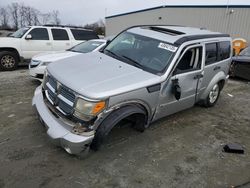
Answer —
(39, 34)
(211, 53)
(59, 34)
(190, 61)
(147, 53)
(224, 50)
(20, 32)
(86, 47)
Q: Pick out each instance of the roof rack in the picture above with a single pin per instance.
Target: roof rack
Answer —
(54, 25)
(165, 30)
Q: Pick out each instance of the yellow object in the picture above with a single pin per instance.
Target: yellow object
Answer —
(238, 45)
(98, 107)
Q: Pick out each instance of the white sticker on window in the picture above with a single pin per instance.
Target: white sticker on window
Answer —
(167, 47)
(95, 44)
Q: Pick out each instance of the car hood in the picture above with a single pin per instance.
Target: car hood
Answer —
(242, 58)
(54, 56)
(98, 76)
(9, 42)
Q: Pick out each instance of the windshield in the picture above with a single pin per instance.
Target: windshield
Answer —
(86, 47)
(245, 52)
(143, 52)
(20, 32)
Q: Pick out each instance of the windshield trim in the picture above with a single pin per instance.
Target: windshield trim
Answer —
(28, 28)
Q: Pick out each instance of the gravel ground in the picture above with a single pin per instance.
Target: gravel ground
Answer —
(182, 150)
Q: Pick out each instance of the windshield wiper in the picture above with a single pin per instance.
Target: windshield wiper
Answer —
(114, 54)
(135, 63)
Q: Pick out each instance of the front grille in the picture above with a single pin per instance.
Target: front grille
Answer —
(67, 93)
(52, 82)
(61, 97)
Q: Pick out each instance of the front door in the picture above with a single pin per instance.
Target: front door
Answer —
(38, 42)
(187, 75)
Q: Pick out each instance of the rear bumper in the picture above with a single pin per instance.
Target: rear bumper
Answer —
(58, 131)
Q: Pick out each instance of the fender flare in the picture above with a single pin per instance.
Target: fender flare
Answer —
(11, 49)
(220, 76)
(109, 122)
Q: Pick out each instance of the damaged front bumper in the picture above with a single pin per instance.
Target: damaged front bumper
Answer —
(58, 130)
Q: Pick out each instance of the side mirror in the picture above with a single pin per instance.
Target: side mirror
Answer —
(176, 89)
(108, 42)
(28, 37)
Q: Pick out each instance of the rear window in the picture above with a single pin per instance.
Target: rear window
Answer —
(60, 34)
(211, 53)
(83, 34)
(224, 50)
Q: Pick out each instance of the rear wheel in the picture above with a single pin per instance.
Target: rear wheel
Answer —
(8, 61)
(213, 96)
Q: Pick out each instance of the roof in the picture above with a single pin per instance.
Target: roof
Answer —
(60, 26)
(180, 6)
(175, 34)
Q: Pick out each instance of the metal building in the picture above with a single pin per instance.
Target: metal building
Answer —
(232, 19)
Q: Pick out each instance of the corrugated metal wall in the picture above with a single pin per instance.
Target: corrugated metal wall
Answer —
(234, 21)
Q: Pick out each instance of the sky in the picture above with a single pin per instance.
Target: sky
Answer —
(81, 12)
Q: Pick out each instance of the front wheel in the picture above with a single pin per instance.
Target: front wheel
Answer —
(8, 61)
(213, 96)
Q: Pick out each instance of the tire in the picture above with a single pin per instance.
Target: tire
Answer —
(213, 96)
(113, 119)
(8, 61)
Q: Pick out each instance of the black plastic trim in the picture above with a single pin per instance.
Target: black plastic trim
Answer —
(197, 37)
(154, 88)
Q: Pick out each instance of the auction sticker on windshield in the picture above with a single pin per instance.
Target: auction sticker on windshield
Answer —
(167, 47)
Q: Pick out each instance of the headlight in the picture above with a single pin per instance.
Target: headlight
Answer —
(45, 78)
(45, 63)
(86, 110)
(34, 63)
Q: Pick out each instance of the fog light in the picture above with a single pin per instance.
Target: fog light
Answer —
(79, 129)
(68, 150)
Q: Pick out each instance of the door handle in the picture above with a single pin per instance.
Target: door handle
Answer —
(216, 68)
(198, 76)
(67, 44)
(48, 43)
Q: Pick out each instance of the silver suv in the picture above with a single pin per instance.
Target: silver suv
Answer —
(143, 74)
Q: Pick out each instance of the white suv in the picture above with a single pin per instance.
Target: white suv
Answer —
(29, 41)
(39, 62)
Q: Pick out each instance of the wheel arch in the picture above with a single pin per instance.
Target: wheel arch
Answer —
(220, 78)
(113, 118)
(9, 49)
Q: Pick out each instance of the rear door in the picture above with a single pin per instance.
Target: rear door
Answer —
(38, 43)
(188, 74)
(61, 39)
(217, 58)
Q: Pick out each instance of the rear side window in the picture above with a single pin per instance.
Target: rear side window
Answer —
(39, 34)
(60, 34)
(211, 53)
(83, 34)
(224, 50)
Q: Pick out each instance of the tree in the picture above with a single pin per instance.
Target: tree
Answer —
(55, 17)
(4, 17)
(45, 18)
(98, 27)
(14, 13)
